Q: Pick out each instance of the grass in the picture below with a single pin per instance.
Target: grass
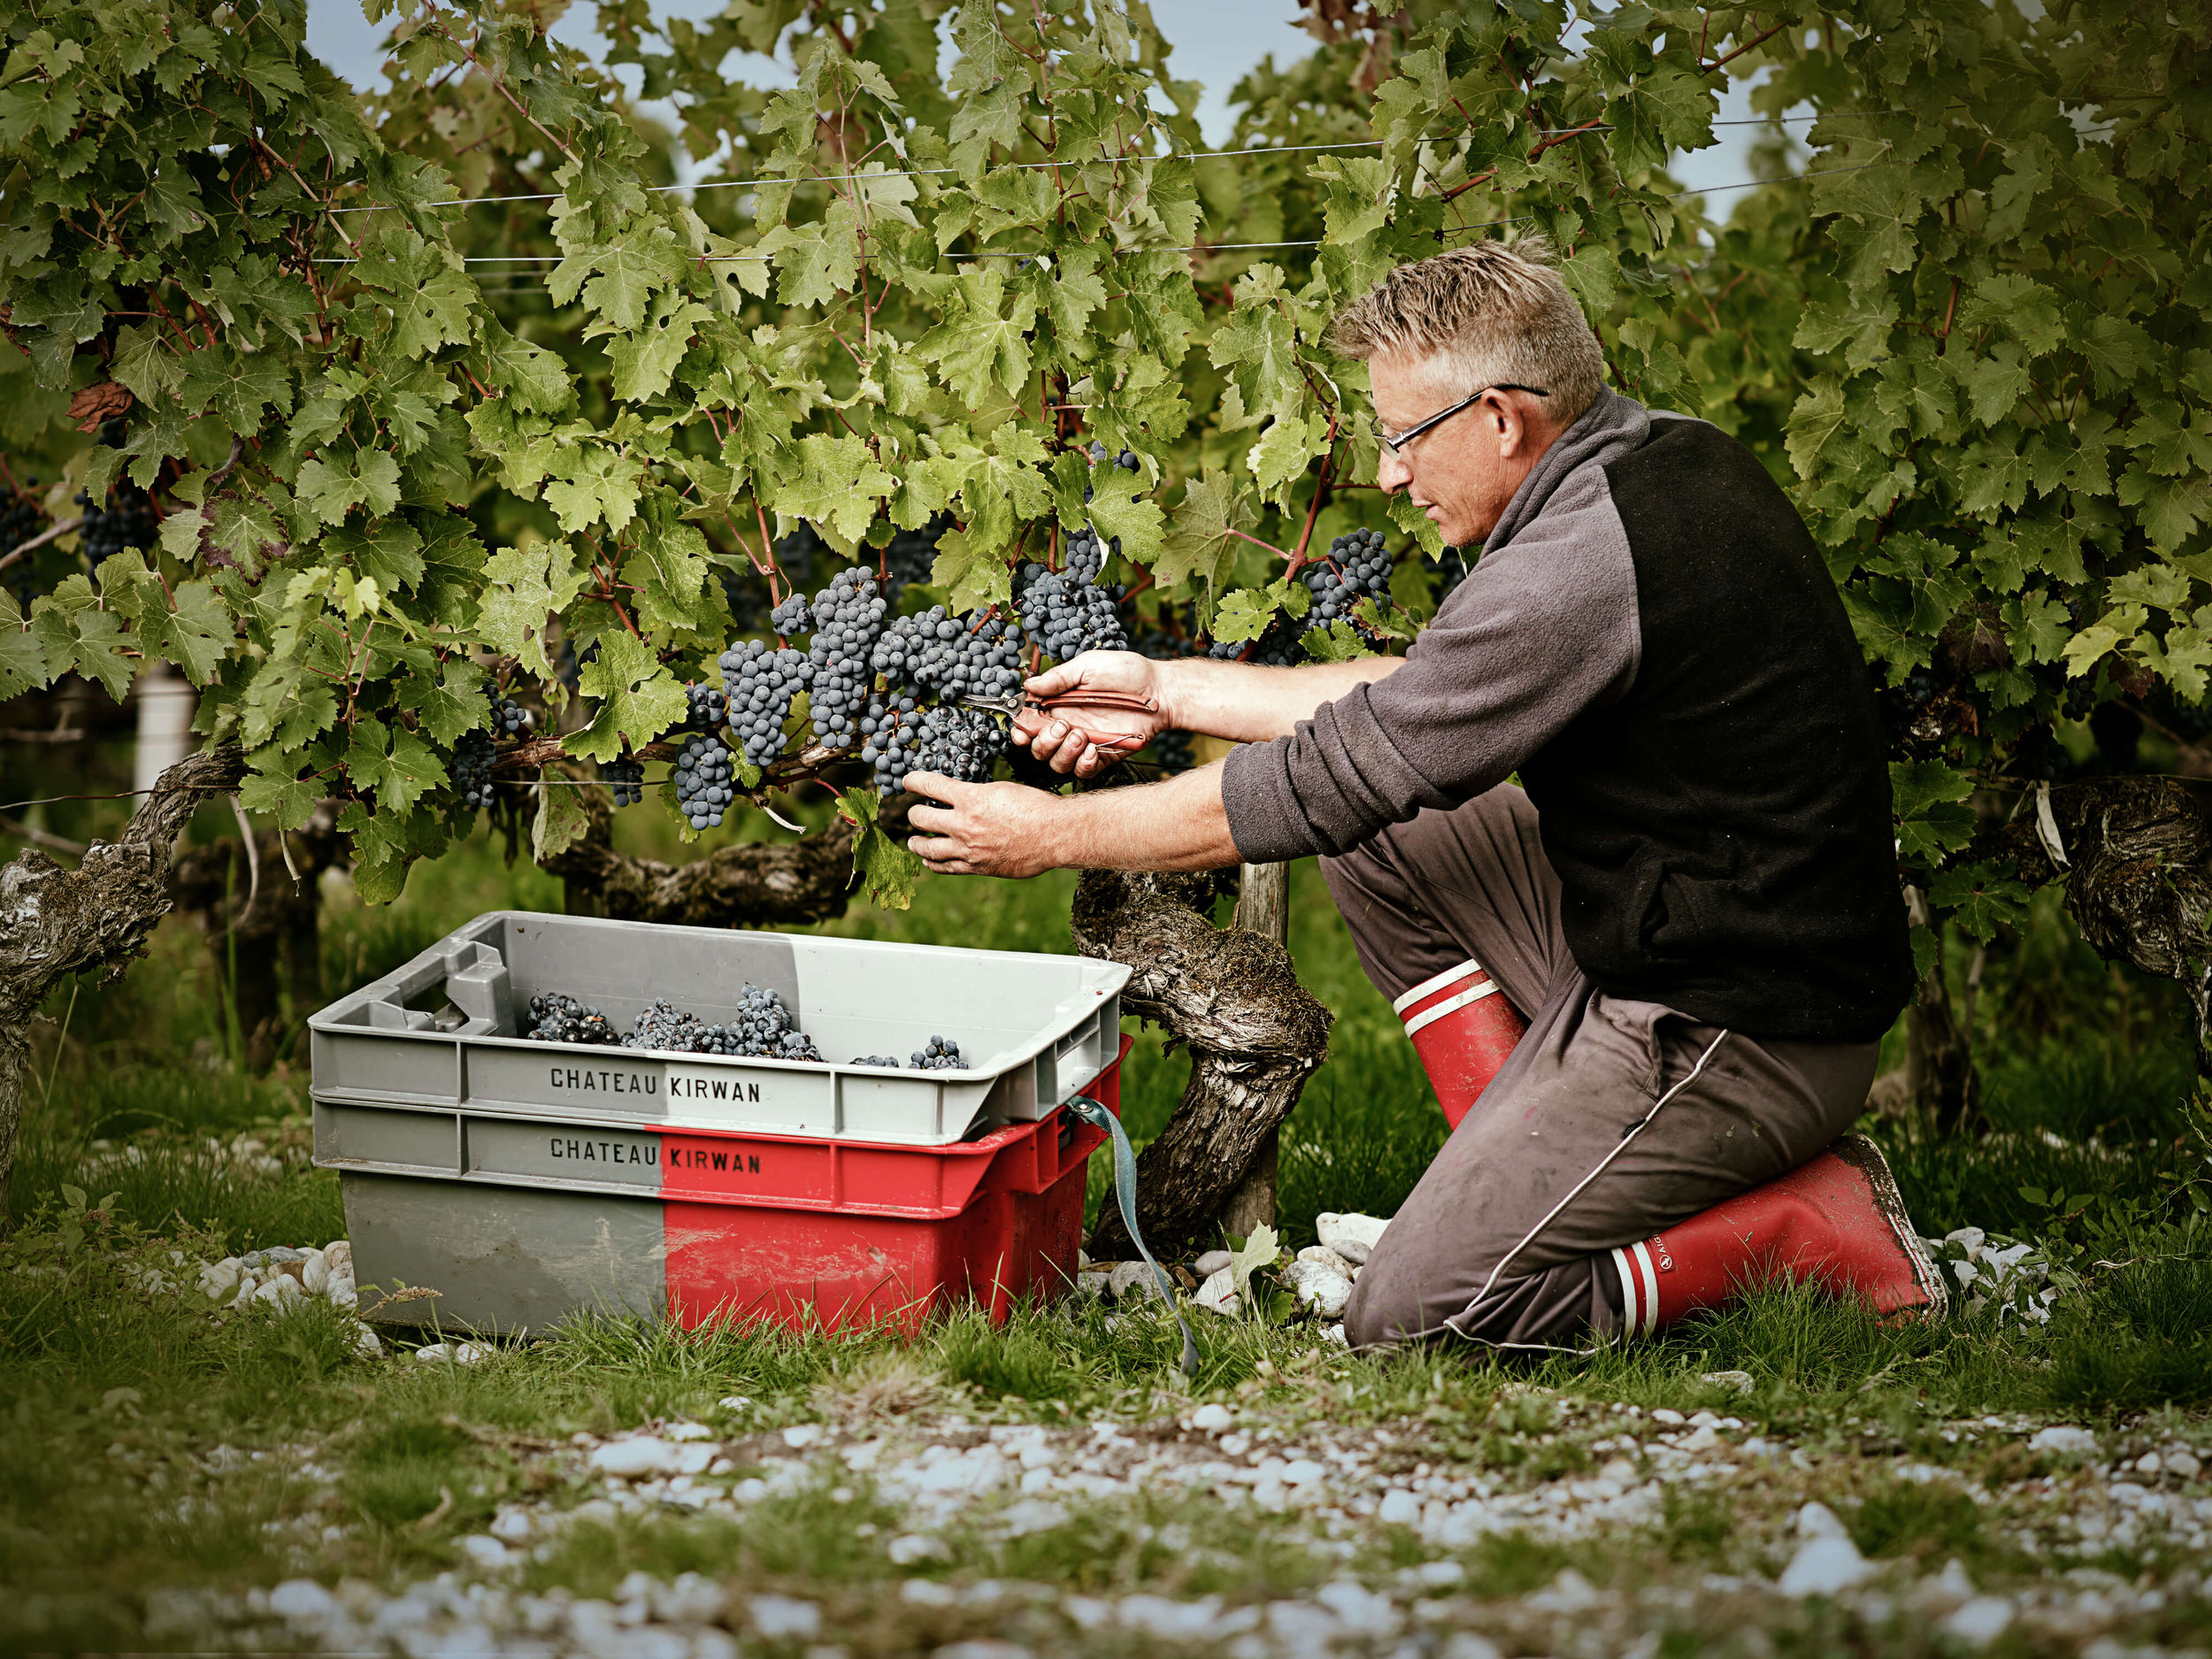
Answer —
(121, 1410)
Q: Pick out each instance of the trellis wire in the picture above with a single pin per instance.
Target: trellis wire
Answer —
(1217, 247)
(1019, 166)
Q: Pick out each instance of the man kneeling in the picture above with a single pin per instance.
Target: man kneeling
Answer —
(1648, 983)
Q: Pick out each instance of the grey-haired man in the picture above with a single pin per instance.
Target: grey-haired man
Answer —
(1648, 983)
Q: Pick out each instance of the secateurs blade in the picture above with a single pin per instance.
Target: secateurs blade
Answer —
(1114, 743)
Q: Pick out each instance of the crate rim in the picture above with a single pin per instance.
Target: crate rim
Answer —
(1116, 976)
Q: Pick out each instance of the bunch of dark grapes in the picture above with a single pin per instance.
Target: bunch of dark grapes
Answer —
(569, 668)
(510, 718)
(791, 616)
(961, 657)
(472, 758)
(1068, 617)
(1169, 634)
(20, 522)
(702, 781)
(1087, 556)
(1277, 648)
(1126, 460)
(1172, 751)
(847, 617)
(2080, 700)
(891, 732)
(2039, 754)
(1449, 569)
(939, 1055)
(897, 653)
(557, 1019)
(710, 707)
(666, 1027)
(128, 521)
(912, 554)
(626, 777)
(1356, 568)
(962, 743)
(763, 1026)
(874, 1059)
(758, 684)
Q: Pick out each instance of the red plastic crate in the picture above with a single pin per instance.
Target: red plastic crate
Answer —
(908, 1229)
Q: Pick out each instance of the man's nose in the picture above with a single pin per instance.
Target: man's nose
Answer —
(1392, 475)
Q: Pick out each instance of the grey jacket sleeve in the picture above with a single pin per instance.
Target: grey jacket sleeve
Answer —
(1542, 628)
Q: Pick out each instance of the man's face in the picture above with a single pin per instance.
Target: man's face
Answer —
(1462, 473)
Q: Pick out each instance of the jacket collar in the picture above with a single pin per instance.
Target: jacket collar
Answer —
(1610, 428)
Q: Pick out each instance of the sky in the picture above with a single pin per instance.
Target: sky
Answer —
(1216, 41)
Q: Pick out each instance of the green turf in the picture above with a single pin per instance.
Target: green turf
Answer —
(112, 1399)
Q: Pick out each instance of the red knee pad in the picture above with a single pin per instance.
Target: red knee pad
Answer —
(1463, 1029)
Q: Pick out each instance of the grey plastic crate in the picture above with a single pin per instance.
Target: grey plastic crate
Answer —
(441, 1031)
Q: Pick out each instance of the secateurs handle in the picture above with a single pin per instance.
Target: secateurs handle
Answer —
(1115, 742)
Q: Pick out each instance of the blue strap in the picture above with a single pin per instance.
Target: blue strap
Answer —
(1126, 1193)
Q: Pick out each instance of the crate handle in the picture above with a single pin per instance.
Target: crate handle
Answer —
(1125, 1194)
(477, 984)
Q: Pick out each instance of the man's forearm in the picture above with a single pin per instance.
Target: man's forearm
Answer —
(1248, 704)
(1178, 823)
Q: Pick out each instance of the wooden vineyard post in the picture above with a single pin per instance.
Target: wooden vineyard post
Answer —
(1262, 908)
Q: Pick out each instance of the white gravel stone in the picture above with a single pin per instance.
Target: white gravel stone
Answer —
(1399, 1507)
(1207, 1265)
(1353, 1236)
(910, 1547)
(689, 1600)
(1827, 1562)
(1321, 1289)
(1465, 1644)
(456, 1353)
(485, 1552)
(1133, 1281)
(1980, 1621)
(513, 1526)
(1322, 1255)
(802, 1435)
(688, 1431)
(1211, 1419)
(642, 1456)
(980, 1647)
(2064, 1439)
(779, 1616)
(302, 1601)
(1823, 1566)
(1741, 1381)
(2184, 1462)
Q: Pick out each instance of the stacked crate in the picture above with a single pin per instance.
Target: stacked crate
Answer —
(527, 1181)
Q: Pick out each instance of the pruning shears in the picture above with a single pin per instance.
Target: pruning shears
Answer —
(1111, 742)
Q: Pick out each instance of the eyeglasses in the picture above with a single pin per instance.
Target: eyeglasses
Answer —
(1395, 440)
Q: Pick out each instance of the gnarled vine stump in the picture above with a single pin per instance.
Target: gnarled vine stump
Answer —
(1255, 1036)
(56, 922)
(2139, 863)
(781, 884)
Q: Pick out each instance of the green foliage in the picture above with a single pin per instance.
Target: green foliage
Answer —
(403, 416)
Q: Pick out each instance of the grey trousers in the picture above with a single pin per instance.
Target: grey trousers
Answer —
(1611, 1121)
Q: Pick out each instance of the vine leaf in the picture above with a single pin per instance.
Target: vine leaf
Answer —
(639, 699)
(889, 870)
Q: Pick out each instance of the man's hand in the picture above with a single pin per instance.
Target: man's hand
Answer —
(983, 829)
(1057, 737)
